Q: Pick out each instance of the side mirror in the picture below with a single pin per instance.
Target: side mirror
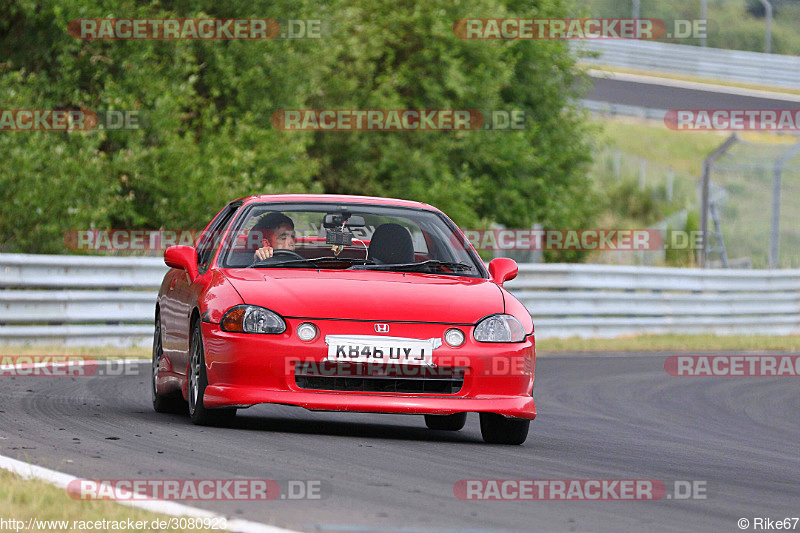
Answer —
(503, 269)
(184, 257)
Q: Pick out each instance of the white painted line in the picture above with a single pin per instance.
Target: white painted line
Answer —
(29, 471)
(683, 84)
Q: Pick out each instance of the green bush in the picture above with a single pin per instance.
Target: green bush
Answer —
(626, 200)
(683, 257)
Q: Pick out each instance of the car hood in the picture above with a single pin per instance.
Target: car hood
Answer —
(379, 296)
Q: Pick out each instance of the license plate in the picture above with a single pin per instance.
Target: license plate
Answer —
(372, 349)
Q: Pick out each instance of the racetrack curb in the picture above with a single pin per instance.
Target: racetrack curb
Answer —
(61, 480)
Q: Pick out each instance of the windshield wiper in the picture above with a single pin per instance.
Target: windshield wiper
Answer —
(455, 267)
(315, 262)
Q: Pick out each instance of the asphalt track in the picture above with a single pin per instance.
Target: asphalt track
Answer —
(606, 417)
(655, 96)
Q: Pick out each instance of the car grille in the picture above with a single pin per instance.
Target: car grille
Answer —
(352, 377)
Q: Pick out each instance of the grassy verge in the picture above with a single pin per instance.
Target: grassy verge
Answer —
(789, 343)
(671, 343)
(101, 352)
(22, 499)
(684, 151)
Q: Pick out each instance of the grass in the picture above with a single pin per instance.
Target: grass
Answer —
(682, 150)
(22, 499)
(642, 343)
(98, 352)
(672, 343)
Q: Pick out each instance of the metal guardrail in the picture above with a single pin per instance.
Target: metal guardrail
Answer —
(568, 300)
(608, 108)
(733, 65)
(78, 300)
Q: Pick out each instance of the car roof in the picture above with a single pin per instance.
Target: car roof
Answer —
(328, 198)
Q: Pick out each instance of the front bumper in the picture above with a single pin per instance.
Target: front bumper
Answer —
(248, 369)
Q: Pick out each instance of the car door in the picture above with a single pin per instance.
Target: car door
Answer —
(183, 292)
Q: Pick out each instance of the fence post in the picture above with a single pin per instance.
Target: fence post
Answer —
(775, 225)
(704, 16)
(768, 29)
(702, 253)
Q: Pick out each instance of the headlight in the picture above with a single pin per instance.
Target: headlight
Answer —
(499, 328)
(252, 319)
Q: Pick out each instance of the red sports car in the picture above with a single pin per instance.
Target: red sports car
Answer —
(342, 303)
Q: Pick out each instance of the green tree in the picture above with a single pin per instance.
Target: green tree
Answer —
(206, 135)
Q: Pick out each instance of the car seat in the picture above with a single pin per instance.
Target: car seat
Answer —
(391, 244)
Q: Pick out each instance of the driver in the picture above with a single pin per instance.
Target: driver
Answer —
(277, 233)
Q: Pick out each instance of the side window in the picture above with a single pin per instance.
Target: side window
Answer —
(210, 239)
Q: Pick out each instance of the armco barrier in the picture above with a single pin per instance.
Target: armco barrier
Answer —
(732, 65)
(607, 301)
(78, 300)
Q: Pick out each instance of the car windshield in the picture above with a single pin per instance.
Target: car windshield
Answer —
(348, 236)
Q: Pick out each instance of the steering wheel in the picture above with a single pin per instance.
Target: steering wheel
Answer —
(289, 254)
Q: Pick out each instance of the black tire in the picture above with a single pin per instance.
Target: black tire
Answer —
(446, 422)
(162, 403)
(498, 429)
(198, 381)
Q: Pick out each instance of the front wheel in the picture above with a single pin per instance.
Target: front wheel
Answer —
(446, 422)
(498, 429)
(198, 381)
